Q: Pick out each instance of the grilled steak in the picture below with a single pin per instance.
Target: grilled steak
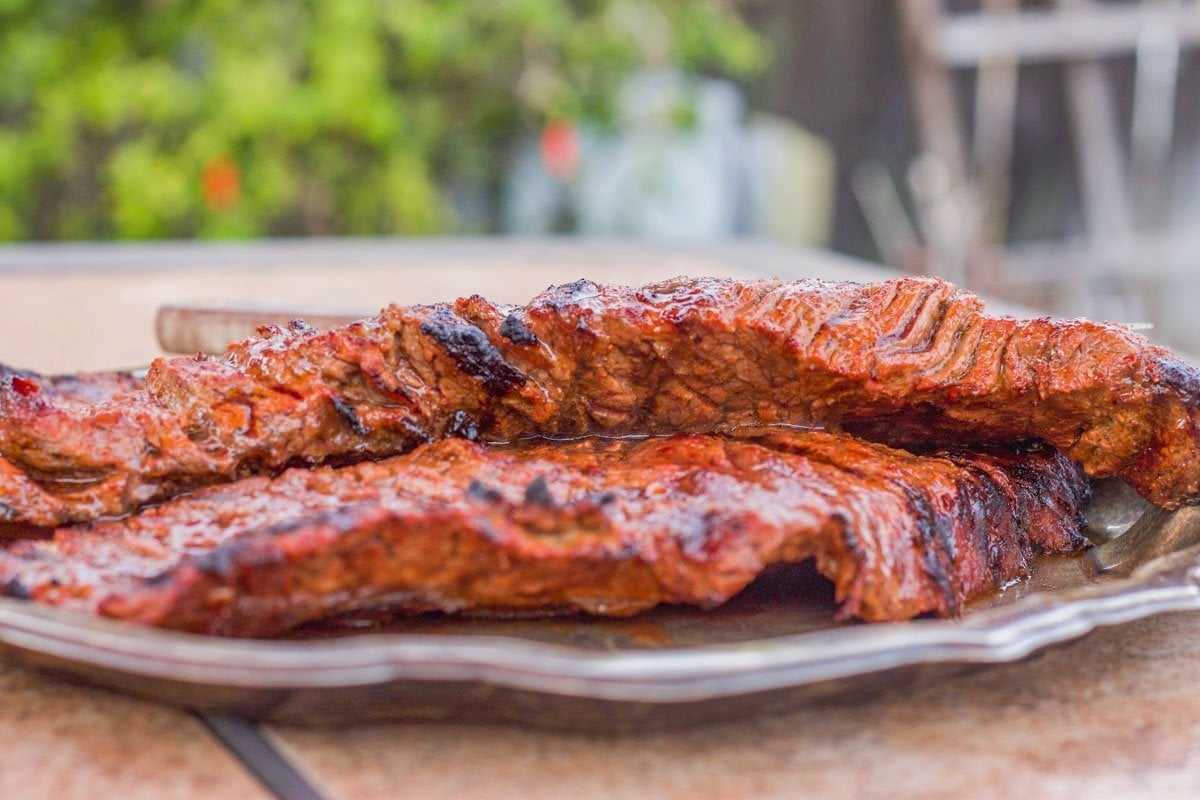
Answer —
(911, 360)
(604, 526)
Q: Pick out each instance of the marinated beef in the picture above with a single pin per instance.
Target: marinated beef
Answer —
(603, 526)
(911, 361)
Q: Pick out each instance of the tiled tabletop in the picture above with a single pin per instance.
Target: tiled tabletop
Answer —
(1116, 715)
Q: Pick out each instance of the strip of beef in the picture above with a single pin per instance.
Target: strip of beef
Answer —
(24, 504)
(911, 360)
(604, 526)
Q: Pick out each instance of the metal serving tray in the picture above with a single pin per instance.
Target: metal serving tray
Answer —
(773, 647)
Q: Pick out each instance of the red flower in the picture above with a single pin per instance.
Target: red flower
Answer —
(220, 184)
(560, 148)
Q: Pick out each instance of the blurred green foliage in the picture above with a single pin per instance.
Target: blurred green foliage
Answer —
(231, 118)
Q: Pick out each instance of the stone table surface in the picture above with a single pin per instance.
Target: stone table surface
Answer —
(1114, 715)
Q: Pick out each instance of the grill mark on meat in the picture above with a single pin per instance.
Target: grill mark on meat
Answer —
(966, 347)
(842, 314)
(849, 311)
(347, 412)
(892, 294)
(969, 500)
(942, 348)
(800, 321)
(472, 351)
(687, 519)
(910, 309)
(760, 308)
(936, 544)
(946, 334)
(922, 332)
(940, 365)
(1002, 378)
(417, 434)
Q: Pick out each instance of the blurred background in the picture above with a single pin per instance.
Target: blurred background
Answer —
(1042, 152)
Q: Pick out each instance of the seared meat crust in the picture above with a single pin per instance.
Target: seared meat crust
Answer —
(907, 361)
(604, 526)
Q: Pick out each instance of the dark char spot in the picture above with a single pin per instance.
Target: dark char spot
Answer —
(480, 492)
(472, 352)
(298, 325)
(569, 294)
(17, 588)
(627, 550)
(462, 426)
(515, 331)
(849, 535)
(228, 562)
(218, 562)
(347, 412)
(579, 288)
(538, 493)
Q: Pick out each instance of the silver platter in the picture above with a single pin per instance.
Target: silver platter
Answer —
(772, 648)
